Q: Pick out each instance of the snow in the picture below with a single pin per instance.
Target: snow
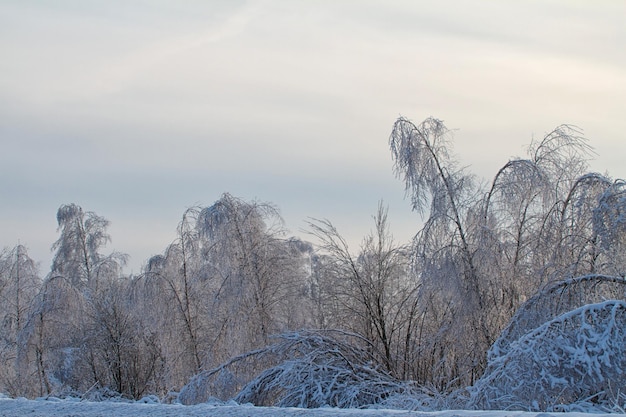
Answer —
(572, 362)
(72, 407)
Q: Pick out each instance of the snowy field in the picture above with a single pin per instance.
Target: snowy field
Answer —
(57, 408)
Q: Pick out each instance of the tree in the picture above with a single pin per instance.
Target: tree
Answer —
(59, 324)
(536, 222)
(452, 300)
(19, 284)
(609, 224)
(370, 294)
(52, 335)
(422, 158)
(228, 282)
(121, 350)
(554, 300)
(245, 250)
(572, 361)
(179, 297)
(565, 237)
(540, 222)
(480, 254)
(77, 255)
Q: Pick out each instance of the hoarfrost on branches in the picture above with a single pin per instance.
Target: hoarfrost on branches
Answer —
(555, 300)
(575, 361)
(308, 369)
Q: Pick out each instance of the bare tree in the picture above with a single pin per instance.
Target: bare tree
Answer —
(121, 349)
(178, 296)
(371, 293)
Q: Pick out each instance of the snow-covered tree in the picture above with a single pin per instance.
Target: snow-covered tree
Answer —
(121, 349)
(19, 284)
(244, 249)
(228, 282)
(562, 350)
(370, 294)
(535, 225)
(62, 315)
(557, 299)
(77, 251)
(481, 253)
(573, 362)
(609, 223)
(52, 335)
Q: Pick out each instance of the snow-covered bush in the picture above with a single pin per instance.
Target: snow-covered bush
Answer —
(335, 378)
(425, 398)
(99, 393)
(576, 361)
(218, 384)
(308, 369)
(555, 300)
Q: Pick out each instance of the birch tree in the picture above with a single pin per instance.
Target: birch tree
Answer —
(229, 281)
(63, 315)
(19, 284)
(444, 249)
(245, 249)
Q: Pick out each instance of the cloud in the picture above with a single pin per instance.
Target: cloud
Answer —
(165, 103)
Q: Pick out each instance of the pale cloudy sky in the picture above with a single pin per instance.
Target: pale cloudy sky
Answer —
(138, 109)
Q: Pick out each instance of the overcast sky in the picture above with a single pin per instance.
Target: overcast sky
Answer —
(138, 109)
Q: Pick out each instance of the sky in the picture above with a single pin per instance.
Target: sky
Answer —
(139, 109)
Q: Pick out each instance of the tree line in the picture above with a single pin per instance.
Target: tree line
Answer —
(425, 311)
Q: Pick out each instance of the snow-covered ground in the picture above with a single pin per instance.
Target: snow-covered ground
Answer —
(57, 408)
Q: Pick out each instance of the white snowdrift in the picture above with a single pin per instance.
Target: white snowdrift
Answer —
(75, 408)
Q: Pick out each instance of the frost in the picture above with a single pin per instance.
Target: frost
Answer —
(307, 370)
(574, 361)
(555, 300)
